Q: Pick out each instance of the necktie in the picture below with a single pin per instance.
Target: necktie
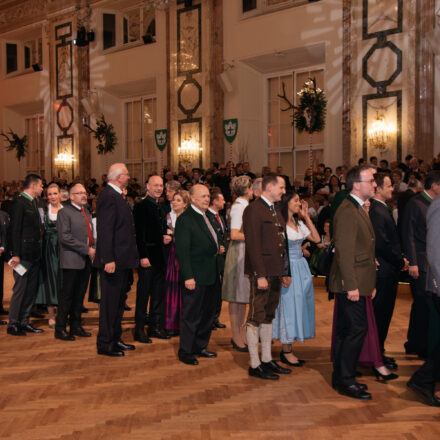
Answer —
(89, 229)
(219, 220)
(211, 229)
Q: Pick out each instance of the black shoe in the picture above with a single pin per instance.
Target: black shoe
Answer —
(15, 330)
(391, 365)
(284, 360)
(127, 308)
(157, 333)
(80, 332)
(384, 377)
(335, 385)
(354, 391)
(275, 368)
(427, 395)
(112, 353)
(262, 373)
(84, 310)
(218, 324)
(172, 333)
(63, 335)
(388, 360)
(140, 336)
(28, 328)
(238, 348)
(121, 345)
(206, 354)
(188, 359)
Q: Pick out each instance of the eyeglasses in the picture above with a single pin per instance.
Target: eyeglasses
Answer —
(82, 193)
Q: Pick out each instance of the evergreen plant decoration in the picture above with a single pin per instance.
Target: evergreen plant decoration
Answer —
(105, 135)
(17, 143)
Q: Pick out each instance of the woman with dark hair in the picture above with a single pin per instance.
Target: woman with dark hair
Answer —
(295, 315)
(332, 187)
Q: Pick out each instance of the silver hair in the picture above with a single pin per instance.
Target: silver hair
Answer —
(258, 183)
(116, 172)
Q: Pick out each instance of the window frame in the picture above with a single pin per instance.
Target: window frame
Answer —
(21, 69)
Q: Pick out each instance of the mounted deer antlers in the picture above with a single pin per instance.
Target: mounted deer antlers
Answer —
(286, 99)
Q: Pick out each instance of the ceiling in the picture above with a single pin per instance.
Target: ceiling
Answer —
(28, 108)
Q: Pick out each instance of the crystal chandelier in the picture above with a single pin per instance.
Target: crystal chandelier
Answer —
(380, 132)
(189, 150)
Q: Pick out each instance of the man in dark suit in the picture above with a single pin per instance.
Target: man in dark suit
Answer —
(197, 249)
(150, 228)
(4, 223)
(217, 203)
(24, 248)
(424, 379)
(77, 251)
(267, 265)
(390, 259)
(116, 255)
(414, 248)
(352, 278)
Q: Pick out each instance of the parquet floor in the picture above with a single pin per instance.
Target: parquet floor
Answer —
(51, 389)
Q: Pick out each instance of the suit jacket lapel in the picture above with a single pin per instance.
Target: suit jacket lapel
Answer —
(366, 218)
(203, 225)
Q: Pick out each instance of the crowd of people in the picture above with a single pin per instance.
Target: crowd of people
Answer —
(203, 238)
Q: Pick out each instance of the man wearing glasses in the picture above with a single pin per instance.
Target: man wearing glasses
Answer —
(77, 252)
(352, 278)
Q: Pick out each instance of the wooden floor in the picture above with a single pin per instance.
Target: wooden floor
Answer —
(50, 389)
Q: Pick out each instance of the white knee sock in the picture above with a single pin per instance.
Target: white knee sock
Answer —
(252, 335)
(266, 342)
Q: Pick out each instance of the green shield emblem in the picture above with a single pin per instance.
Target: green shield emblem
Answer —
(161, 137)
(230, 128)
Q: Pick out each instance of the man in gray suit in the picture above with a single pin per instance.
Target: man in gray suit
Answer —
(423, 380)
(77, 251)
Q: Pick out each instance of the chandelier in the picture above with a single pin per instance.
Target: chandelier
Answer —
(63, 159)
(189, 150)
(380, 132)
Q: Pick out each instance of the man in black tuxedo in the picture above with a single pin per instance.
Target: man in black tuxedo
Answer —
(197, 252)
(77, 251)
(116, 255)
(389, 256)
(414, 248)
(24, 248)
(217, 203)
(151, 239)
(4, 223)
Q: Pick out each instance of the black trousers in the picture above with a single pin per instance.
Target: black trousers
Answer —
(383, 304)
(429, 373)
(198, 313)
(419, 318)
(2, 278)
(111, 307)
(150, 286)
(351, 329)
(71, 297)
(24, 291)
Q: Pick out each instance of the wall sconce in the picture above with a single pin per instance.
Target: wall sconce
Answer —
(381, 132)
(189, 150)
(83, 37)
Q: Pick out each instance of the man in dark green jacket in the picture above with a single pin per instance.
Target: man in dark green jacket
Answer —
(197, 250)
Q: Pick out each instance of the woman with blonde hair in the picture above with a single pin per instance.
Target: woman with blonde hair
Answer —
(235, 288)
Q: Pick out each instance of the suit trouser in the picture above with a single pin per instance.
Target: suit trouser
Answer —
(23, 293)
(111, 307)
(419, 317)
(383, 304)
(198, 313)
(351, 329)
(219, 303)
(429, 373)
(71, 297)
(263, 303)
(2, 277)
(150, 286)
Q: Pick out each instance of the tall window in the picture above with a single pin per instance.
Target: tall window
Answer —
(11, 58)
(21, 56)
(140, 124)
(249, 5)
(108, 30)
(35, 135)
(280, 133)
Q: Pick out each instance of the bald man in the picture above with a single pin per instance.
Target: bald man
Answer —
(197, 249)
(151, 239)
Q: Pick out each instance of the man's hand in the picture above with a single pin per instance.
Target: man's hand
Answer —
(405, 267)
(304, 247)
(190, 284)
(15, 261)
(413, 271)
(373, 294)
(92, 253)
(166, 239)
(221, 250)
(377, 263)
(353, 295)
(286, 281)
(145, 262)
(262, 284)
(110, 267)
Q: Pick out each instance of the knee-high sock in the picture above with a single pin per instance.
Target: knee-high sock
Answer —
(252, 335)
(266, 342)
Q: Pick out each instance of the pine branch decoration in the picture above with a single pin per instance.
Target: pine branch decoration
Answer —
(17, 143)
(105, 135)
